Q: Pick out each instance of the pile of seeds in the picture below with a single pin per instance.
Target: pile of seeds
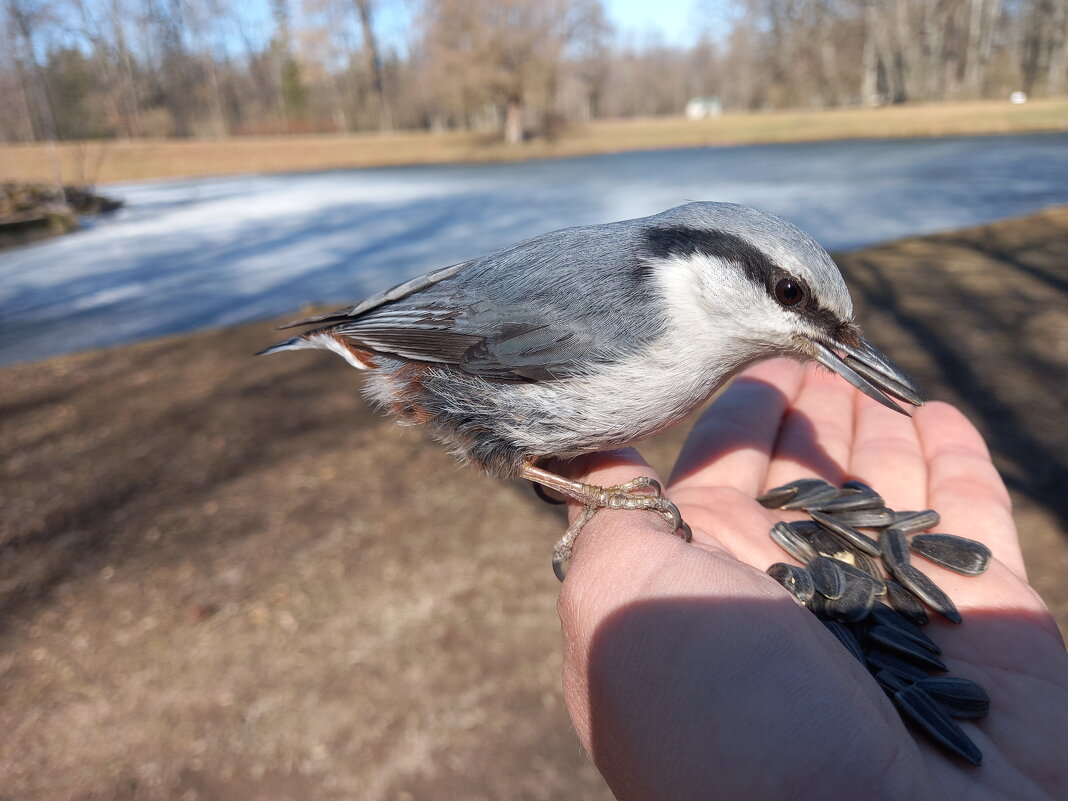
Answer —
(868, 594)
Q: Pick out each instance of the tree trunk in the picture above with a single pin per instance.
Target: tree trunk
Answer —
(513, 122)
(373, 60)
(973, 71)
(1058, 47)
(869, 79)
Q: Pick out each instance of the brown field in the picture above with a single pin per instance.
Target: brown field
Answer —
(224, 578)
(102, 162)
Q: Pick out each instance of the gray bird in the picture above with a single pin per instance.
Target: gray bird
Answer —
(595, 337)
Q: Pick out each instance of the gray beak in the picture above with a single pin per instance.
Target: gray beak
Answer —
(867, 368)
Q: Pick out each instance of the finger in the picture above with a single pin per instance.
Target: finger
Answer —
(887, 455)
(731, 443)
(963, 485)
(817, 432)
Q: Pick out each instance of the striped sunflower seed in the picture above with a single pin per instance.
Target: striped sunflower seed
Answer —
(905, 647)
(795, 579)
(849, 535)
(911, 522)
(925, 712)
(905, 603)
(797, 546)
(961, 698)
(827, 577)
(959, 554)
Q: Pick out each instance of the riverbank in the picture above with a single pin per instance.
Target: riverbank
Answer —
(145, 159)
(223, 577)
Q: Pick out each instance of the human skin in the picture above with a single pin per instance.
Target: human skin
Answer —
(689, 673)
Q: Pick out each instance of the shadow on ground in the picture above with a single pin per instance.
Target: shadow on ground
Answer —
(223, 577)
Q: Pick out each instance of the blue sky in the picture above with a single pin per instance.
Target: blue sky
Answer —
(678, 21)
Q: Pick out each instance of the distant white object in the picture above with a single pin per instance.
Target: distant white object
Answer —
(1018, 98)
(699, 108)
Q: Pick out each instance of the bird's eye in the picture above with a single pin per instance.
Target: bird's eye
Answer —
(789, 292)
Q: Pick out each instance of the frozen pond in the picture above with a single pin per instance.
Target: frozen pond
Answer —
(210, 252)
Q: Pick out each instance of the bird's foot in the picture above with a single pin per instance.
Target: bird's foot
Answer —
(592, 497)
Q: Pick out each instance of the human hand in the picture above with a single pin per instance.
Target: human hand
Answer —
(689, 673)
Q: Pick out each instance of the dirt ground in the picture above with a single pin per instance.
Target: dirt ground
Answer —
(223, 578)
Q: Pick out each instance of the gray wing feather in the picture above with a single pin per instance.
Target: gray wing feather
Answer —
(373, 302)
(542, 309)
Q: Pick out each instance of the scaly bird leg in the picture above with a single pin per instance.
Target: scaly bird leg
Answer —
(593, 497)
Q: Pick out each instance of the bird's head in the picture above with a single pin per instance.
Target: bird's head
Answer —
(757, 286)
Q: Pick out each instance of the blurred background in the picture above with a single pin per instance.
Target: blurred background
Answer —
(224, 577)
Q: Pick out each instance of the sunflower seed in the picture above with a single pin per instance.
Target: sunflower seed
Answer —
(905, 647)
(795, 579)
(927, 591)
(865, 563)
(848, 502)
(859, 486)
(895, 388)
(883, 615)
(796, 546)
(822, 541)
(853, 573)
(905, 603)
(881, 660)
(961, 698)
(774, 498)
(955, 553)
(812, 495)
(911, 522)
(924, 711)
(895, 550)
(846, 533)
(858, 598)
(866, 518)
(892, 682)
(827, 577)
(846, 636)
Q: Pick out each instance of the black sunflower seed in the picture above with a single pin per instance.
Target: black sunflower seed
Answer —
(892, 682)
(905, 603)
(827, 577)
(859, 486)
(858, 598)
(883, 660)
(865, 563)
(797, 546)
(848, 502)
(920, 585)
(911, 522)
(846, 636)
(849, 535)
(959, 554)
(925, 712)
(895, 550)
(815, 494)
(774, 497)
(905, 647)
(795, 579)
(854, 573)
(883, 615)
(961, 698)
(866, 518)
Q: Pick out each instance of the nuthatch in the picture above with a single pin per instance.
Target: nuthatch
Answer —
(595, 337)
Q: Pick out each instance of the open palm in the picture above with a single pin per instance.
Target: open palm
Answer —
(689, 673)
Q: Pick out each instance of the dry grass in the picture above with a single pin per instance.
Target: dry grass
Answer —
(119, 161)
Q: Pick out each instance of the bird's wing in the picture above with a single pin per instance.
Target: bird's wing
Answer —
(373, 302)
(542, 309)
(510, 343)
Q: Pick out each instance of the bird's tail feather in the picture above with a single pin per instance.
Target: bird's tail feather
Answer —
(293, 343)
